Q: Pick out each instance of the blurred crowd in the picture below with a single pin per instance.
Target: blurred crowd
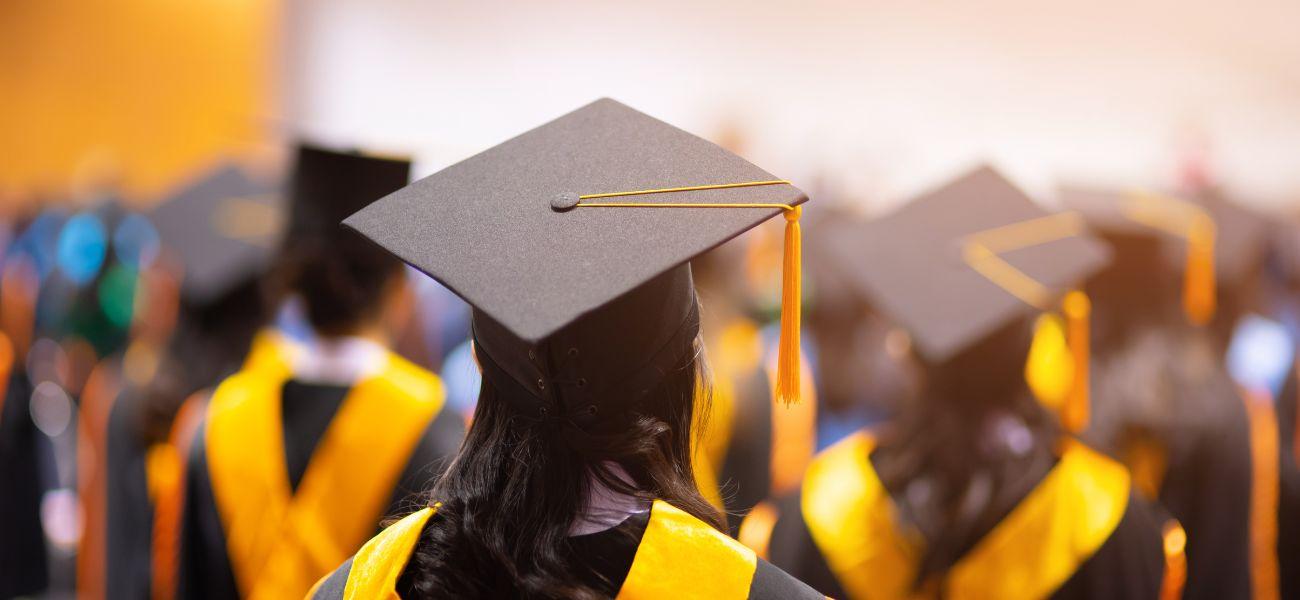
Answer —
(121, 315)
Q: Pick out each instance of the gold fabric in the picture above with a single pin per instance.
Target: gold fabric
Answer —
(679, 557)
(280, 541)
(1030, 554)
(682, 557)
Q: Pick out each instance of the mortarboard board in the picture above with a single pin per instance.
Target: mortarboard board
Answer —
(928, 264)
(571, 242)
(957, 264)
(1214, 240)
(328, 185)
(223, 227)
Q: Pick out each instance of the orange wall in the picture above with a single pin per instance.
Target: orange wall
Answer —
(155, 87)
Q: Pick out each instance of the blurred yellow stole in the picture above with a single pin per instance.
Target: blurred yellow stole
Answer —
(679, 556)
(281, 541)
(1030, 554)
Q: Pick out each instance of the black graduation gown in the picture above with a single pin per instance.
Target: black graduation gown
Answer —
(1130, 563)
(608, 556)
(128, 515)
(1208, 489)
(204, 567)
(23, 568)
(746, 475)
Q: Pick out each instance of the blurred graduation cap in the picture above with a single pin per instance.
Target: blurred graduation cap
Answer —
(224, 227)
(572, 241)
(1213, 241)
(328, 185)
(956, 264)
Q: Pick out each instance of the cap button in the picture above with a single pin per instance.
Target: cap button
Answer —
(564, 201)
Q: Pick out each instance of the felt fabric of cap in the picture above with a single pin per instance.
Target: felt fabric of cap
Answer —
(958, 263)
(328, 185)
(579, 230)
(223, 227)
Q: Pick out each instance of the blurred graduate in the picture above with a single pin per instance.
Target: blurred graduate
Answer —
(198, 305)
(975, 490)
(303, 451)
(1165, 311)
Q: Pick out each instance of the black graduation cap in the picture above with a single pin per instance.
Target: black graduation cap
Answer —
(223, 226)
(1213, 241)
(1241, 237)
(571, 242)
(956, 264)
(328, 185)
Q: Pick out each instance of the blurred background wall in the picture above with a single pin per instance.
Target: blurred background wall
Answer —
(875, 98)
(144, 90)
(878, 97)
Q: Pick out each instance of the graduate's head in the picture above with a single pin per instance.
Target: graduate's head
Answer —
(345, 282)
(965, 269)
(572, 244)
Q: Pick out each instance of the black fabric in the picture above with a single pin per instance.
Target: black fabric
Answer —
(1288, 519)
(205, 570)
(486, 229)
(910, 265)
(328, 185)
(307, 409)
(583, 375)
(746, 475)
(608, 555)
(217, 226)
(23, 568)
(432, 454)
(1208, 490)
(335, 584)
(1129, 564)
(771, 583)
(128, 519)
(793, 550)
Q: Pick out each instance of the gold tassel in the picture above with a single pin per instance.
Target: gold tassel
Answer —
(1077, 410)
(1198, 279)
(787, 358)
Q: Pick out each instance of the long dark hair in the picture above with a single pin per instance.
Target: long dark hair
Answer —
(967, 448)
(506, 503)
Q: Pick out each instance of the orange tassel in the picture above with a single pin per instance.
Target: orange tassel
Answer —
(787, 358)
(1198, 279)
(1077, 409)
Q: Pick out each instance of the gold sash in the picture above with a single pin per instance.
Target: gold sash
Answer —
(1030, 554)
(679, 556)
(280, 542)
(1264, 450)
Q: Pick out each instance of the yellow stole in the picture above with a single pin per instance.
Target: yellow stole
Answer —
(280, 541)
(1030, 554)
(679, 556)
(165, 464)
